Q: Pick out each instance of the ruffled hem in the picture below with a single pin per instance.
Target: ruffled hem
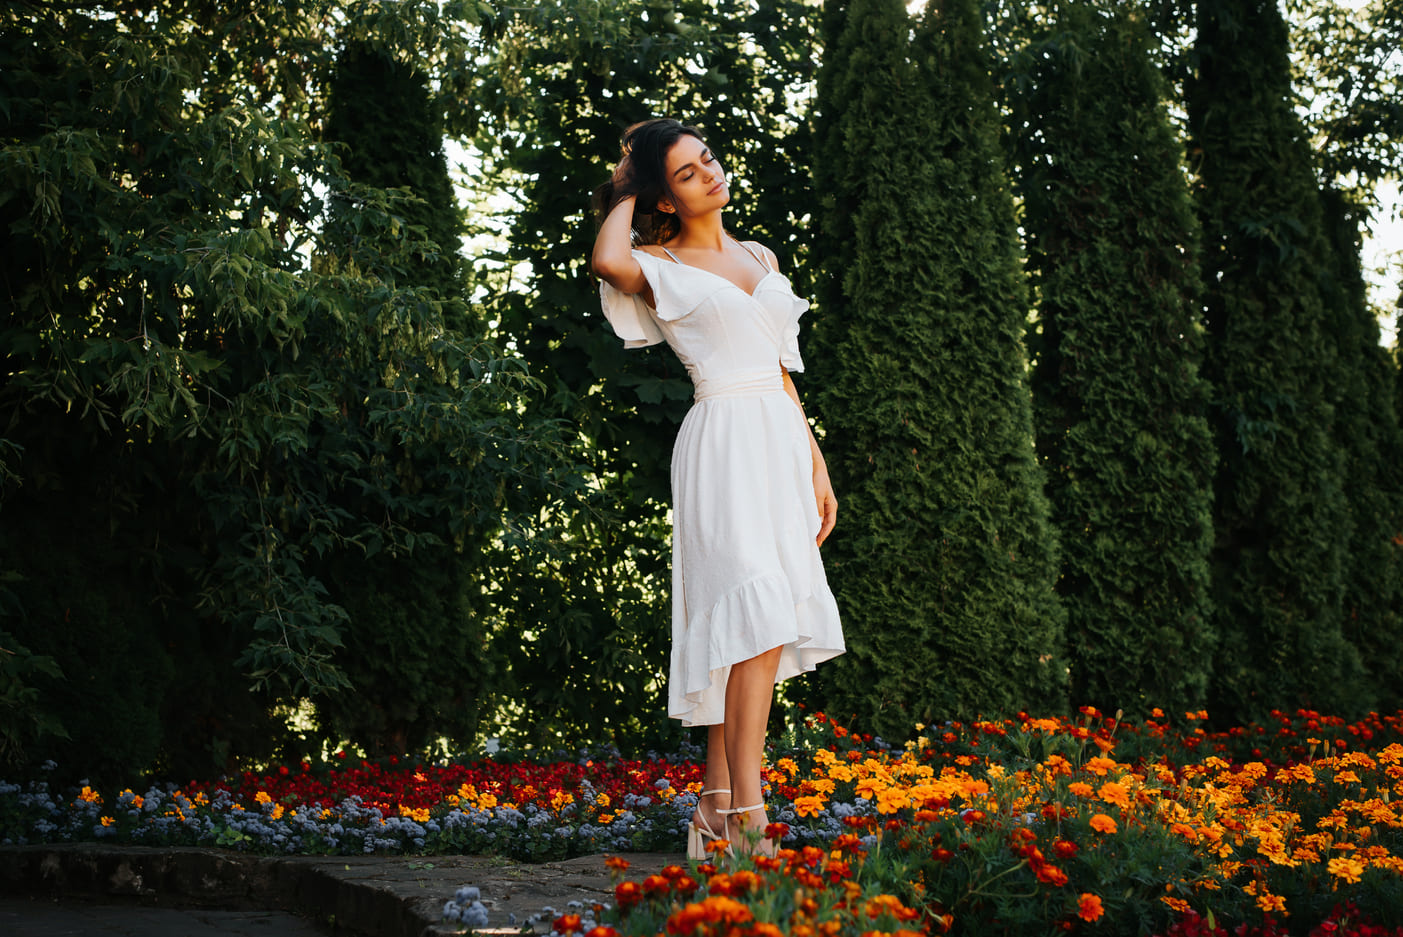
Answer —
(805, 627)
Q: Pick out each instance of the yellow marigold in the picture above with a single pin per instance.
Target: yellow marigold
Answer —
(1080, 789)
(1347, 868)
(1335, 818)
(1103, 824)
(1357, 760)
(278, 811)
(1113, 792)
(1391, 755)
(1376, 811)
(1346, 777)
(788, 766)
(605, 818)
(262, 798)
(892, 800)
(810, 806)
(1178, 904)
(1254, 770)
(417, 814)
(107, 821)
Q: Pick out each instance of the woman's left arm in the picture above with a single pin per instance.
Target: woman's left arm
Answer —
(824, 498)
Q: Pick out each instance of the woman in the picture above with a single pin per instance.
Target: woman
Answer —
(751, 497)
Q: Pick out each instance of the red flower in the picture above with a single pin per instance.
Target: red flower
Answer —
(568, 924)
(628, 894)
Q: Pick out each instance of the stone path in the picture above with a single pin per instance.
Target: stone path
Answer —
(47, 891)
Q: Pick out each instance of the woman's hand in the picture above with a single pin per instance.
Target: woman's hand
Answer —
(622, 178)
(827, 502)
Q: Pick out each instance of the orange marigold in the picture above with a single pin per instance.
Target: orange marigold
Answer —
(1346, 868)
(1089, 907)
(1103, 824)
(1114, 793)
(717, 909)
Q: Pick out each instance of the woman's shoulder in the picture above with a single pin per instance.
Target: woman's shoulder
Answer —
(763, 251)
(653, 250)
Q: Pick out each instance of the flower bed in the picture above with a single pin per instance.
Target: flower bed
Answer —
(1018, 826)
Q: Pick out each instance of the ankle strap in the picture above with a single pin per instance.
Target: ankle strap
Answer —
(735, 810)
(719, 790)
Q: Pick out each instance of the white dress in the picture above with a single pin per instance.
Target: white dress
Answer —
(746, 573)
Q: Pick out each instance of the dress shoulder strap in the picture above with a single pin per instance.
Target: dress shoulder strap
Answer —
(670, 254)
(764, 263)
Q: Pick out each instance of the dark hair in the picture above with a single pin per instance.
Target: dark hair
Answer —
(646, 146)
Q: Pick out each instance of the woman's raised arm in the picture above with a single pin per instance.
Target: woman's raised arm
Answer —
(613, 259)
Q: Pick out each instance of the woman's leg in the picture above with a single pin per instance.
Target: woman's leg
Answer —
(718, 778)
(749, 692)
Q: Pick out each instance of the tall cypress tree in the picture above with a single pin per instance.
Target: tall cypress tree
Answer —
(1368, 434)
(943, 560)
(1120, 404)
(381, 110)
(413, 617)
(1281, 523)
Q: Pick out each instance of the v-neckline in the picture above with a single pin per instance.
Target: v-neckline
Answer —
(751, 293)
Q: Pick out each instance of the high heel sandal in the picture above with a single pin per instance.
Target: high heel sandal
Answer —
(698, 836)
(752, 848)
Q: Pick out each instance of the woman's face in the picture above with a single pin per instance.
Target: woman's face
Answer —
(695, 178)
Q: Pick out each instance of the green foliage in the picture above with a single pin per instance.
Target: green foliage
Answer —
(1281, 523)
(23, 719)
(1120, 404)
(1368, 435)
(382, 112)
(416, 617)
(1347, 67)
(586, 636)
(943, 561)
(204, 419)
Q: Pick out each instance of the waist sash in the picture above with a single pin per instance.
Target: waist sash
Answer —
(740, 384)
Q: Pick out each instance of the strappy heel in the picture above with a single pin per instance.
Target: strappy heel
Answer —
(734, 811)
(699, 836)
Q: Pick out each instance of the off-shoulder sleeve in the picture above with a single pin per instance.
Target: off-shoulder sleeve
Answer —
(630, 316)
(675, 290)
(789, 344)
